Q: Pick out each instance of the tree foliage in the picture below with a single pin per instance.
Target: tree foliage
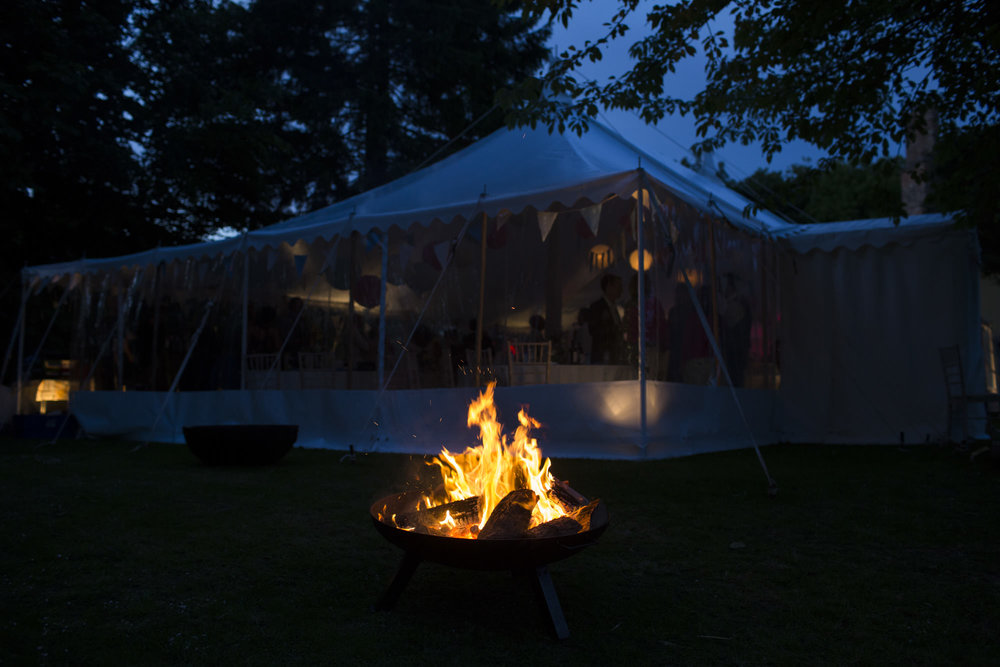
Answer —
(425, 71)
(67, 123)
(125, 124)
(855, 79)
(278, 106)
(840, 191)
(241, 106)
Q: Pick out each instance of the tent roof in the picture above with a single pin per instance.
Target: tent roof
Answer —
(514, 170)
(874, 232)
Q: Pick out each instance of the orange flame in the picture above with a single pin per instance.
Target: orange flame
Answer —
(497, 466)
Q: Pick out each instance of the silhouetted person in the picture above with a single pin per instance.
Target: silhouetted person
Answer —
(605, 323)
(736, 323)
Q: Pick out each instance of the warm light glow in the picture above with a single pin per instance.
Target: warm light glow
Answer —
(495, 468)
(633, 260)
(601, 257)
(645, 197)
(51, 390)
(694, 276)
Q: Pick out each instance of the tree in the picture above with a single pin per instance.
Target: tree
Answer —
(840, 191)
(67, 170)
(854, 79)
(965, 178)
(256, 111)
(427, 72)
(68, 174)
(242, 106)
(129, 123)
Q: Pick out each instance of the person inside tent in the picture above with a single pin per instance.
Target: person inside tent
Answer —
(605, 323)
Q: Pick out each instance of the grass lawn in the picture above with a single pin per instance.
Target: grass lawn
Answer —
(868, 555)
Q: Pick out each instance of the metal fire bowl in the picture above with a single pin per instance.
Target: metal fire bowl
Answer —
(519, 554)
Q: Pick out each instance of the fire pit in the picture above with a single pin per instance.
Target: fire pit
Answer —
(499, 508)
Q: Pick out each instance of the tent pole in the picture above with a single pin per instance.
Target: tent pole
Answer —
(158, 277)
(765, 312)
(482, 293)
(190, 349)
(120, 356)
(641, 305)
(45, 335)
(715, 290)
(20, 343)
(420, 317)
(246, 315)
(382, 308)
(772, 485)
(775, 308)
(350, 310)
(298, 316)
(10, 345)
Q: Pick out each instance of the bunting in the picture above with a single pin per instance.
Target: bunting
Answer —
(592, 216)
(545, 221)
(37, 285)
(372, 240)
(502, 218)
(300, 263)
(441, 252)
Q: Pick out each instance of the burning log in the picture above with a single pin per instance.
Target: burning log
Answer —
(435, 519)
(511, 516)
(560, 527)
(566, 495)
(583, 514)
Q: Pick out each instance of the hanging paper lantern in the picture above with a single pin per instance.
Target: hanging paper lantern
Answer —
(601, 257)
(367, 291)
(633, 260)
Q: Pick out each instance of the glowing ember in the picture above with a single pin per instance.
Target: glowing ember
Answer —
(493, 469)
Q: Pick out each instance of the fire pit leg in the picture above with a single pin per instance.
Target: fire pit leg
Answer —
(403, 576)
(545, 592)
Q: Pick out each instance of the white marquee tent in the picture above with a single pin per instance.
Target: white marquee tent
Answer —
(847, 318)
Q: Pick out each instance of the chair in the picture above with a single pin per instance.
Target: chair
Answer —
(259, 373)
(315, 370)
(959, 400)
(529, 361)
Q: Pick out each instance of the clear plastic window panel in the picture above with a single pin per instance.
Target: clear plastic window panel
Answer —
(566, 277)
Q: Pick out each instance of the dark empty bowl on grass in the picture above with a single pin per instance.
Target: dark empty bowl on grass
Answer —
(241, 444)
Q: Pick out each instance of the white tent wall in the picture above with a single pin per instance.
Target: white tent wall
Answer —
(862, 324)
(591, 420)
